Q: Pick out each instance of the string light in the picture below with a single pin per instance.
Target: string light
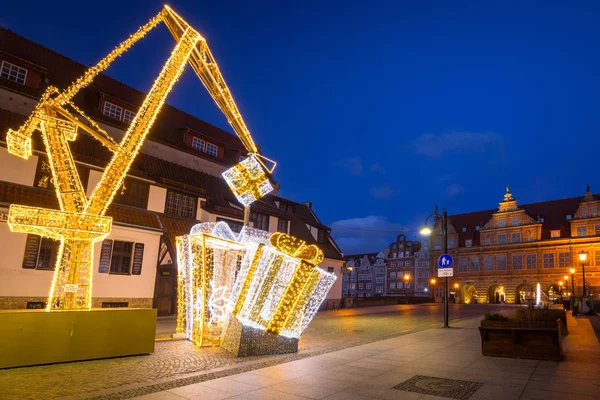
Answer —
(80, 222)
(269, 282)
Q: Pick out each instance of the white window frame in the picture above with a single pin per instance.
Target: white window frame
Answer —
(128, 116)
(468, 242)
(392, 275)
(10, 66)
(213, 148)
(368, 286)
(196, 144)
(392, 285)
(111, 113)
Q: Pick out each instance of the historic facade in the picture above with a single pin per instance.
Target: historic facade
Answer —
(174, 183)
(401, 267)
(501, 255)
(367, 277)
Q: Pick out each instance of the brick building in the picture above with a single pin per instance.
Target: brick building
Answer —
(502, 254)
(174, 183)
(401, 261)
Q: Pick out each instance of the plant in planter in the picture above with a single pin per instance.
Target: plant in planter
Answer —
(531, 333)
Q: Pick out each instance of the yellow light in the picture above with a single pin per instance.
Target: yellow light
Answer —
(81, 221)
(407, 277)
(433, 281)
(582, 256)
(572, 270)
(425, 231)
(566, 277)
(456, 286)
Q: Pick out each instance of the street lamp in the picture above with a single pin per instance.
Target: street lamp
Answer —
(433, 281)
(560, 290)
(582, 258)
(349, 270)
(426, 231)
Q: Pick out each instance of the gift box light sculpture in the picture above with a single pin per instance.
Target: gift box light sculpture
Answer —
(271, 282)
(80, 221)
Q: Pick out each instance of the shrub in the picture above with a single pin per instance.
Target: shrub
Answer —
(495, 317)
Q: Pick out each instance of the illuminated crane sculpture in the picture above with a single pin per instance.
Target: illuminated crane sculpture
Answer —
(81, 221)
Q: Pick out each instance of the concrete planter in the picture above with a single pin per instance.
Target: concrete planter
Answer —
(540, 340)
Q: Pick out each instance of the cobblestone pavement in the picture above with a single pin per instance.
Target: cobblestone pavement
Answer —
(175, 363)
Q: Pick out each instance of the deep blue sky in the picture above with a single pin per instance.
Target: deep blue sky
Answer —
(376, 111)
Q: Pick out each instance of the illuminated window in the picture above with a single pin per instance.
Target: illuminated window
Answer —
(120, 262)
(379, 289)
(128, 116)
(549, 260)
(555, 233)
(581, 231)
(282, 225)
(180, 204)
(112, 111)
(212, 149)
(198, 144)
(13, 72)
(517, 262)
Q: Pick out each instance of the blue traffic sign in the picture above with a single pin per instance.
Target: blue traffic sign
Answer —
(445, 261)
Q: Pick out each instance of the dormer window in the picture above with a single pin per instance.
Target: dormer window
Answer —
(198, 144)
(464, 229)
(212, 149)
(285, 207)
(477, 227)
(555, 233)
(468, 243)
(13, 72)
(128, 116)
(568, 217)
(112, 111)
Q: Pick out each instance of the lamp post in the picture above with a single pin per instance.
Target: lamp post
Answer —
(426, 231)
(572, 271)
(456, 286)
(560, 290)
(582, 258)
(349, 271)
(568, 294)
(433, 281)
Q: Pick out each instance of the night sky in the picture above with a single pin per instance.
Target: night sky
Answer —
(376, 111)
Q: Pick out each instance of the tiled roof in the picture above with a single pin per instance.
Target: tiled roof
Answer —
(11, 193)
(554, 214)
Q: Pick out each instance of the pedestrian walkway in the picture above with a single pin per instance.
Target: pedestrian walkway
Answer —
(389, 369)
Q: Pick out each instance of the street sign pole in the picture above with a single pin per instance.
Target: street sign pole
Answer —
(445, 227)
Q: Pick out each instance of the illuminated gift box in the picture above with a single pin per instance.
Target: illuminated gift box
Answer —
(248, 180)
(270, 282)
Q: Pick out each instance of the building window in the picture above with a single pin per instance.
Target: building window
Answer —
(282, 225)
(502, 239)
(437, 246)
(468, 243)
(564, 259)
(517, 262)
(597, 257)
(286, 207)
(112, 111)
(211, 149)
(515, 237)
(379, 279)
(501, 223)
(13, 72)
(555, 233)
(407, 285)
(361, 285)
(134, 193)
(236, 226)
(568, 217)
(474, 264)
(392, 285)
(120, 262)
(180, 204)
(400, 263)
(450, 244)
(501, 263)
(128, 116)
(531, 261)
(392, 275)
(582, 231)
(353, 285)
(198, 144)
(368, 286)
(407, 263)
(380, 270)
(464, 229)
(477, 228)
(379, 289)
(549, 260)
(261, 221)
(322, 236)
(462, 264)
(393, 264)
(597, 229)
(488, 263)
(516, 221)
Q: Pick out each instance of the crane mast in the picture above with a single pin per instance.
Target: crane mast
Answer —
(81, 221)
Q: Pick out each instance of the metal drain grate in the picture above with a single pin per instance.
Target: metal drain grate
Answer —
(439, 387)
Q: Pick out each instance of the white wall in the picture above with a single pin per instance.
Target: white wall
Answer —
(336, 290)
(273, 223)
(130, 286)
(93, 180)
(17, 170)
(157, 199)
(17, 103)
(20, 282)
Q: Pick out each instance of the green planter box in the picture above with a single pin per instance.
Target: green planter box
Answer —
(540, 340)
(33, 337)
